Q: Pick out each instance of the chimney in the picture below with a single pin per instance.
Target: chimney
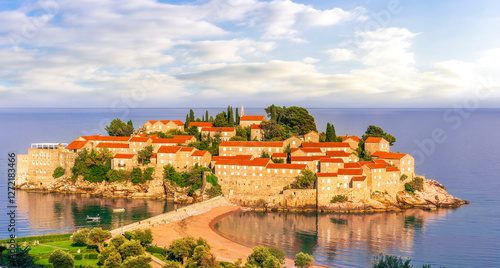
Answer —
(242, 111)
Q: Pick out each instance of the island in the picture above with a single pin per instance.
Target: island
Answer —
(278, 163)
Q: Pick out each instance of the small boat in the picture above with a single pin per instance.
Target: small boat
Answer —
(119, 210)
(90, 219)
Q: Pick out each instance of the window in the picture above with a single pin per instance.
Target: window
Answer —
(260, 168)
(322, 188)
(224, 173)
(224, 149)
(359, 185)
(170, 161)
(327, 164)
(345, 185)
(328, 188)
(378, 184)
(327, 181)
(408, 162)
(162, 161)
(240, 149)
(338, 184)
(380, 176)
(293, 142)
(403, 162)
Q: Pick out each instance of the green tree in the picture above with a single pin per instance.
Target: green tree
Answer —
(145, 237)
(305, 180)
(61, 259)
(113, 261)
(144, 155)
(105, 253)
(230, 116)
(264, 154)
(58, 172)
(140, 261)
(118, 240)
(330, 133)
(272, 130)
(295, 120)
(118, 128)
(389, 261)
(93, 165)
(303, 260)
(2, 248)
(374, 131)
(221, 120)
(118, 175)
(131, 248)
(172, 264)
(187, 122)
(191, 115)
(80, 237)
(237, 117)
(97, 236)
(19, 257)
(206, 116)
(263, 256)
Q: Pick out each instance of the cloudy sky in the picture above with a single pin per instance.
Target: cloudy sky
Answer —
(213, 53)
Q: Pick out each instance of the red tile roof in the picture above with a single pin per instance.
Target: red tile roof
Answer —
(139, 139)
(152, 121)
(352, 165)
(355, 138)
(287, 166)
(255, 127)
(112, 145)
(187, 149)
(169, 149)
(199, 153)
(252, 118)
(154, 155)
(359, 178)
(349, 171)
(169, 141)
(237, 162)
(389, 169)
(385, 155)
(338, 154)
(375, 166)
(127, 156)
(279, 155)
(381, 161)
(301, 158)
(200, 124)
(319, 175)
(178, 122)
(326, 145)
(104, 138)
(252, 143)
(307, 150)
(76, 145)
(332, 160)
(374, 139)
(185, 137)
(240, 157)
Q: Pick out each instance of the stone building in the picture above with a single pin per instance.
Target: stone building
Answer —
(124, 162)
(138, 143)
(157, 143)
(293, 142)
(122, 148)
(404, 162)
(352, 140)
(256, 133)
(200, 125)
(255, 148)
(181, 158)
(374, 144)
(311, 136)
(331, 165)
(306, 152)
(346, 157)
(225, 133)
(312, 162)
(329, 146)
(162, 126)
(248, 120)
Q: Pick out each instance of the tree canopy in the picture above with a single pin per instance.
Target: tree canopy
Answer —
(294, 119)
(118, 128)
(61, 259)
(374, 131)
(305, 180)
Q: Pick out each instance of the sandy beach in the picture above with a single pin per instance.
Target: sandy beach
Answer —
(202, 226)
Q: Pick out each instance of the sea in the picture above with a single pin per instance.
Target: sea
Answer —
(458, 147)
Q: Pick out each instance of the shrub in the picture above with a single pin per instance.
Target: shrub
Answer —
(264, 155)
(172, 264)
(214, 191)
(338, 199)
(78, 256)
(262, 256)
(278, 160)
(58, 172)
(91, 256)
(417, 183)
(80, 237)
(113, 261)
(303, 260)
(118, 240)
(409, 188)
(159, 250)
(384, 261)
(137, 176)
(139, 261)
(212, 179)
(118, 175)
(403, 177)
(130, 249)
(148, 174)
(105, 253)
(61, 259)
(305, 180)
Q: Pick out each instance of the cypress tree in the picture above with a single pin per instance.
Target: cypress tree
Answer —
(206, 116)
(191, 115)
(230, 116)
(330, 133)
(186, 124)
(237, 117)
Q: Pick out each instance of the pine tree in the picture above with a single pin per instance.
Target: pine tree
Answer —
(237, 117)
(191, 115)
(186, 124)
(206, 116)
(20, 257)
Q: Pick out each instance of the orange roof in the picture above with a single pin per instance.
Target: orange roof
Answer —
(385, 155)
(307, 150)
(355, 138)
(175, 141)
(375, 166)
(76, 145)
(104, 138)
(252, 143)
(139, 139)
(187, 149)
(112, 145)
(352, 165)
(301, 158)
(338, 154)
(168, 149)
(287, 166)
(128, 156)
(325, 144)
(199, 153)
(178, 122)
(230, 129)
(186, 137)
(381, 161)
(374, 139)
(154, 155)
(362, 163)
(389, 169)
(279, 155)
(319, 175)
(200, 124)
(255, 127)
(237, 162)
(240, 157)
(359, 178)
(350, 171)
(252, 118)
(312, 131)
(152, 121)
(332, 160)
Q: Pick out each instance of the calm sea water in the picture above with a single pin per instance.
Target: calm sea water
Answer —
(459, 150)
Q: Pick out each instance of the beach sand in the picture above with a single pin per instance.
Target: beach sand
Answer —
(202, 226)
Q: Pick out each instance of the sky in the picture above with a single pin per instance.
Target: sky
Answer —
(214, 53)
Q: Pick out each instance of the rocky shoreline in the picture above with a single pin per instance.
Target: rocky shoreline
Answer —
(433, 196)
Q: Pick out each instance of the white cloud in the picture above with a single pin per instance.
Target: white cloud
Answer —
(341, 54)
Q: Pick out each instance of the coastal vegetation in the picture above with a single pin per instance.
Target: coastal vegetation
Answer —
(118, 128)
(338, 199)
(305, 180)
(389, 261)
(58, 172)
(374, 131)
(417, 184)
(303, 260)
(191, 179)
(294, 120)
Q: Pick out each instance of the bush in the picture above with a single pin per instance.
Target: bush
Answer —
(80, 237)
(303, 260)
(159, 250)
(212, 179)
(172, 264)
(278, 160)
(214, 191)
(338, 199)
(61, 259)
(417, 183)
(105, 253)
(78, 256)
(388, 261)
(148, 174)
(118, 175)
(58, 172)
(305, 180)
(91, 256)
(409, 188)
(403, 177)
(262, 256)
(137, 176)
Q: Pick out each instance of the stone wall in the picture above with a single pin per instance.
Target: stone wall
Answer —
(288, 199)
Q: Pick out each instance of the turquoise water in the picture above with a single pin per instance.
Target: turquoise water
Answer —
(466, 162)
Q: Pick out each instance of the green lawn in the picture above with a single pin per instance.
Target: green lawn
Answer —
(41, 252)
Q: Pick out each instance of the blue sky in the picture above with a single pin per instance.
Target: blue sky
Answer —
(136, 53)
